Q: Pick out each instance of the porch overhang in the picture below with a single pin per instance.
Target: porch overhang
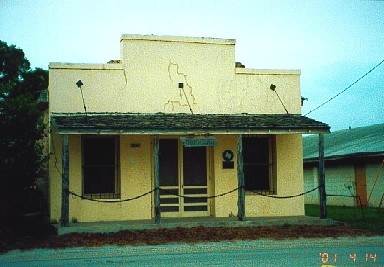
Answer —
(184, 124)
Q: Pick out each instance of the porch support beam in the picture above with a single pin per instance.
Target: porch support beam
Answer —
(65, 182)
(322, 192)
(240, 178)
(156, 179)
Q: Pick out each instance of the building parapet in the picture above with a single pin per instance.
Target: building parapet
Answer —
(267, 71)
(185, 39)
(85, 66)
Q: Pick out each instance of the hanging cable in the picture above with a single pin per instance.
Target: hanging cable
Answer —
(82, 96)
(273, 88)
(329, 100)
(282, 102)
(189, 197)
(285, 197)
(109, 201)
(207, 197)
(189, 105)
(79, 84)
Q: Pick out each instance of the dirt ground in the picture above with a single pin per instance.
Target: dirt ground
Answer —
(183, 235)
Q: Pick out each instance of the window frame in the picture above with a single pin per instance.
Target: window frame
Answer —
(272, 166)
(117, 179)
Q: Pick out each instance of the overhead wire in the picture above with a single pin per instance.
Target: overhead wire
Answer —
(345, 89)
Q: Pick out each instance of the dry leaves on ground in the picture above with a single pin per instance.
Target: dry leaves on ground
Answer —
(186, 235)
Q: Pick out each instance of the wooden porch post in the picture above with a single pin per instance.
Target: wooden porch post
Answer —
(156, 180)
(323, 195)
(240, 178)
(65, 182)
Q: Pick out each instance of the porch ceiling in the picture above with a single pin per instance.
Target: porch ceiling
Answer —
(182, 123)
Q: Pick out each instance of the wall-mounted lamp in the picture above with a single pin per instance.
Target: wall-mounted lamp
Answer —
(272, 87)
(79, 83)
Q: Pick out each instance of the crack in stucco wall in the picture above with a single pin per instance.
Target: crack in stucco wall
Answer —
(125, 77)
(182, 92)
(172, 103)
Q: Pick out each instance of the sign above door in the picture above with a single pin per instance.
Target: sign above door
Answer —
(198, 141)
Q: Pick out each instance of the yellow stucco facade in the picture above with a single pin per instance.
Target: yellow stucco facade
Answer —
(146, 80)
(173, 75)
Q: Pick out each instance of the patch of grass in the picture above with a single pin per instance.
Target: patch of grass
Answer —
(353, 216)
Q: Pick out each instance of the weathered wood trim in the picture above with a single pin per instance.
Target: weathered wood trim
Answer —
(322, 192)
(183, 132)
(65, 182)
(240, 177)
(156, 179)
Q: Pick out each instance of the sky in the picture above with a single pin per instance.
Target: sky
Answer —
(333, 43)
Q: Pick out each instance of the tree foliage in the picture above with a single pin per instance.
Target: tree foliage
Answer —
(20, 127)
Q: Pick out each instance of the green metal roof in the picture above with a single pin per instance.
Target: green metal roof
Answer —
(362, 141)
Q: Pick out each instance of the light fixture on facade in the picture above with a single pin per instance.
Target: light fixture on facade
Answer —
(303, 99)
(79, 83)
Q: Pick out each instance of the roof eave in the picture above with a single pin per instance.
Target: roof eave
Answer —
(189, 131)
(348, 156)
(186, 124)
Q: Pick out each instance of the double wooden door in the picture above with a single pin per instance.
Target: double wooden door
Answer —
(183, 173)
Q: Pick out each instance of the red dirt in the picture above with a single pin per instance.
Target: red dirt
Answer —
(184, 235)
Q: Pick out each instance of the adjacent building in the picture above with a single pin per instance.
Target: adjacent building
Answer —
(354, 161)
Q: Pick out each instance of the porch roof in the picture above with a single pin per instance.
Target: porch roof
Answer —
(182, 123)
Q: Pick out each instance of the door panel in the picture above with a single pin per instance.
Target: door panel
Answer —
(195, 181)
(195, 166)
(169, 201)
(182, 171)
(196, 202)
(169, 177)
(361, 184)
(169, 162)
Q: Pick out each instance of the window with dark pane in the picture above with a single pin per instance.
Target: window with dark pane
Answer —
(257, 165)
(100, 158)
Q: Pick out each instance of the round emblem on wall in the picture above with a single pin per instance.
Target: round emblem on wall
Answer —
(228, 155)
